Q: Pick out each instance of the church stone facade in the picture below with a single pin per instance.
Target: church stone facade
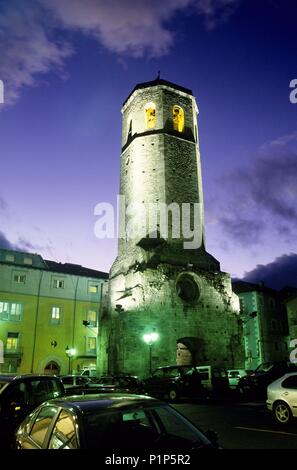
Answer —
(158, 283)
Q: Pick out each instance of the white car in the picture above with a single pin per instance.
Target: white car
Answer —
(282, 398)
(74, 380)
(234, 375)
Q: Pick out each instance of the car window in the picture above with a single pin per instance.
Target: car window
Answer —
(121, 429)
(171, 373)
(39, 392)
(64, 434)
(158, 373)
(265, 367)
(290, 382)
(15, 394)
(67, 380)
(234, 374)
(42, 424)
(176, 425)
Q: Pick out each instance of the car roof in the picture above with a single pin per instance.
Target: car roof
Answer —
(10, 378)
(91, 402)
(289, 374)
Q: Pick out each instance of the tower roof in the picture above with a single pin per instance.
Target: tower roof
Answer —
(158, 81)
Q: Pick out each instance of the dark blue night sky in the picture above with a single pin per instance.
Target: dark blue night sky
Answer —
(67, 67)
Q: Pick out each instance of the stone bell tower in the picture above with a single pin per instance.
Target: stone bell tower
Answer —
(163, 280)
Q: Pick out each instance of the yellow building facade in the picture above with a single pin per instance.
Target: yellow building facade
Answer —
(49, 314)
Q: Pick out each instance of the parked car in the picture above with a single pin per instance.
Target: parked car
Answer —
(234, 375)
(70, 381)
(215, 380)
(90, 373)
(174, 382)
(110, 421)
(120, 382)
(255, 384)
(19, 395)
(282, 398)
(114, 383)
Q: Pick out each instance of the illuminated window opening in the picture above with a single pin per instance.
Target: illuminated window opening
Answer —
(178, 118)
(150, 115)
(56, 315)
(12, 341)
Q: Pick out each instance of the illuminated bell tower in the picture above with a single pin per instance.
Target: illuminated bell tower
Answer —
(163, 279)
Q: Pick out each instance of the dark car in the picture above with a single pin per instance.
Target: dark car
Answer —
(19, 395)
(254, 385)
(123, 383)
(174, 382)
(109, 421)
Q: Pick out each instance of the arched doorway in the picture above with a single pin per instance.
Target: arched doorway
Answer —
(52, 368)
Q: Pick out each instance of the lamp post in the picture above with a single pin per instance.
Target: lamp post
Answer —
(70, 352)
(150, 339)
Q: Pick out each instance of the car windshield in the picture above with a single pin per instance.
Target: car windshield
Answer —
(265, 367)
(141, 428)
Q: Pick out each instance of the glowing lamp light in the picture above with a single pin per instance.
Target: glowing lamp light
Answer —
(70, 352)
(150, 338)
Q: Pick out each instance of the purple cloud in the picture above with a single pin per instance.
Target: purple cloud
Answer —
(278, 274)
(28, 46)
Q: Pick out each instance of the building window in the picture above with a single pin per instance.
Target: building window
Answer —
(92, 318)
(55, 315)
(178, 118)
(9, 258)
(15, 312)
(150, 115)
(19, 278)
(93, 288)
(4, 311)
(10, 311)
(58, 283)
(28, 260)
(12, 341)
(91, 344)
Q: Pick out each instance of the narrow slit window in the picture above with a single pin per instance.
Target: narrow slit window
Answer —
(178, 118)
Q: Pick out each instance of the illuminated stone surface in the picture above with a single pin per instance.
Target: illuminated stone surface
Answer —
(156, 284)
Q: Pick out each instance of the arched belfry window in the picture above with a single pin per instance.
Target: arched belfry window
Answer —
(178, 118)
(150, 115)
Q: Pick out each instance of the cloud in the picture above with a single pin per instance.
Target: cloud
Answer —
(29, 31)
(245, 231)
(263, 195)
(5, 243)
(26, 47)
(3, 205)
(277, 274)
(21, 245)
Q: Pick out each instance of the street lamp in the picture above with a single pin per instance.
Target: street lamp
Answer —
(150, 339)
(70, 352)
